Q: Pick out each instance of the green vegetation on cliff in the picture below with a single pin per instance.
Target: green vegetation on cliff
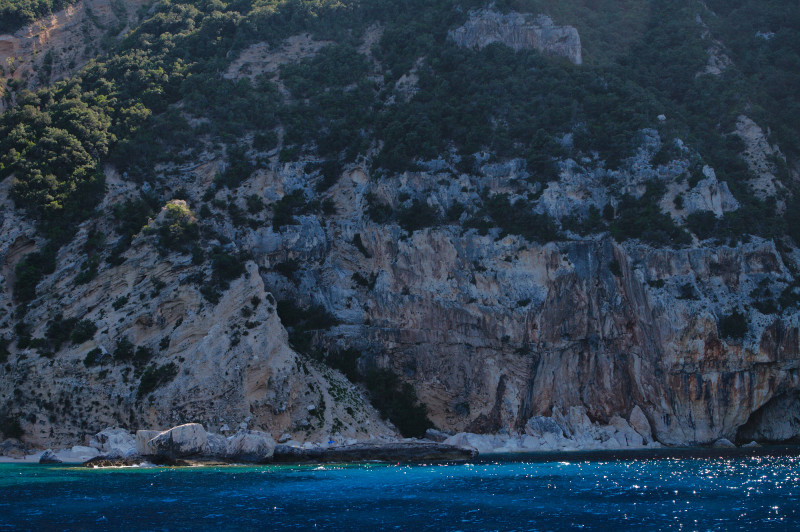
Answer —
(17, 13)
(132, 108)
(413, 103)
(394, 189)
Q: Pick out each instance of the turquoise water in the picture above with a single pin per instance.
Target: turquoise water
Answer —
(734, 493)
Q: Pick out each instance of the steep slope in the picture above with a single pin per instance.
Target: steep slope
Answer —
(57, 46)
(159, 354)
(282, 211)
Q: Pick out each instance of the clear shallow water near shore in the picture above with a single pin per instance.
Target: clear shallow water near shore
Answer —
(729, 493)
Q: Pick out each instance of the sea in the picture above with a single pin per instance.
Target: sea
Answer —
(738, 491)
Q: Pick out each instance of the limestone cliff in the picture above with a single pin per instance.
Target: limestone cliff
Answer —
(226, 364)
(492, 332)
(519, 31)
(582, 338)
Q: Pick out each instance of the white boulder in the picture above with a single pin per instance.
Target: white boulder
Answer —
(216, 445)
(436, 435)
(142, 437)
(710, 194)
(538, 426)
(723, 443)
(114, 442)
(181, 441)
(250, 446)
(640, 424)
(483, 443)
(78, 454)
(625, 434)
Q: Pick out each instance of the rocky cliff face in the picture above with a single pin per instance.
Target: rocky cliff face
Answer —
(227, 364)
(495, 333)
(519, 32)
(492, 332)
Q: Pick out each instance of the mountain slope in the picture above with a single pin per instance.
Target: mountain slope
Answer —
(464, 217)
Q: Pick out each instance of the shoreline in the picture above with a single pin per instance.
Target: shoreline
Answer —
(593, 455)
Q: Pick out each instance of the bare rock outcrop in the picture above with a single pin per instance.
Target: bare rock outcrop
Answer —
(49, 457)
(640, 424)
(115, 442)
(539, 426)
(776, 421)
(718, 60)
(492, 330)
(570, 431)
(142, 437)
(250, 446)
(229, 369)
(582, 336)
(178, 442)
(261, 58)
(489, 329)
(192, 441)
(710, 195)
(760, 156)
(520, 32)
(216, 445)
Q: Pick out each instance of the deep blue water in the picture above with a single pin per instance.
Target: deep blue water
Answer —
(733, 493)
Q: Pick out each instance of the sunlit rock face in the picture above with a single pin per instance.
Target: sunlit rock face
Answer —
(489, 331)
(228, 367)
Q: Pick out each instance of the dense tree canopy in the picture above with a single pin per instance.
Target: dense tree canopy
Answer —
(132, 107)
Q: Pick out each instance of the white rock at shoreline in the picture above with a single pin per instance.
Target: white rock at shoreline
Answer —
(640, 424)
(216, 445)
(49, 457)
(539, 426)
(142, 437)
(571, 432)
(115, 443)
(181, 441)
(250, 446)
(77, 454)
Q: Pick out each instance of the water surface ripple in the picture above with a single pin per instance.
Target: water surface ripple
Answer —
(728, 493)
